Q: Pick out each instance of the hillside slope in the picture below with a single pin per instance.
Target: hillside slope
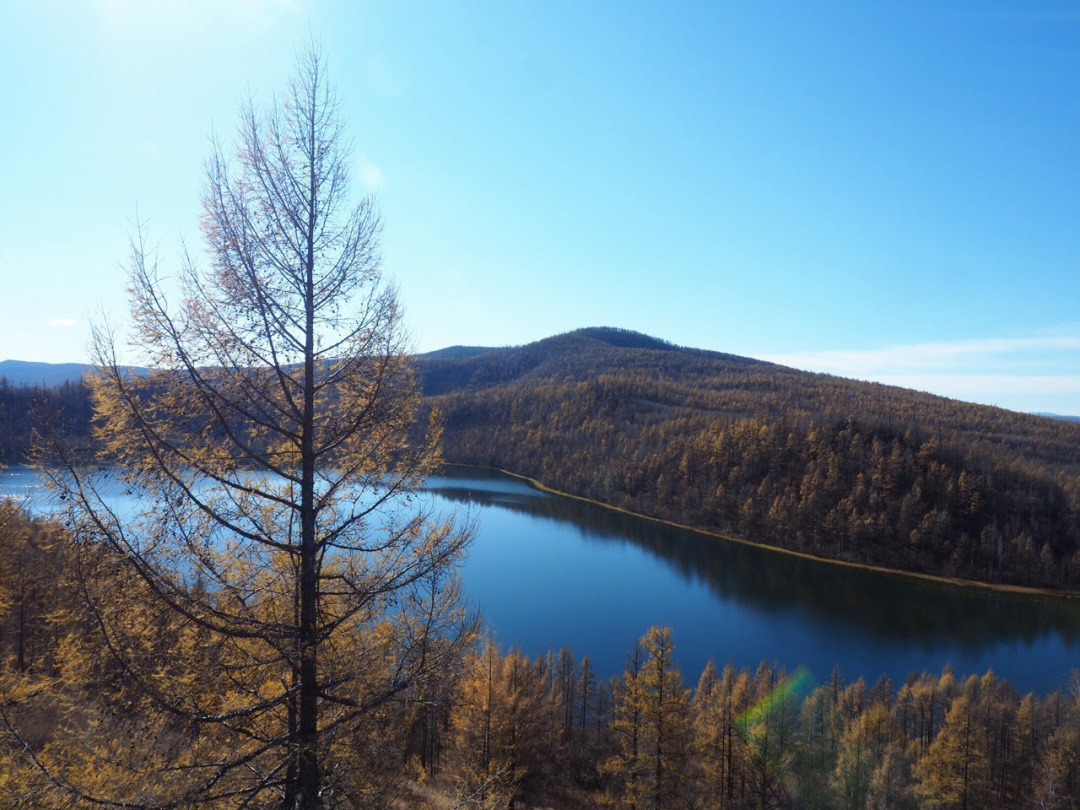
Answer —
(829, 466)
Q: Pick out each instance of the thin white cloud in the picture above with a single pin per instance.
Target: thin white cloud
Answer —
(62, 323)
(982, 386)
(920, 355)
(1023, 373)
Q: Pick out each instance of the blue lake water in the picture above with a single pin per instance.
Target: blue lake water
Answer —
(548, 571)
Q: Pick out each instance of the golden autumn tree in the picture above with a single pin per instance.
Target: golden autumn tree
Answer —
(722, 757)
(272, 600)
(948, 771)
(626, 765)
(862, 749)
(498, 725)
(652, 720)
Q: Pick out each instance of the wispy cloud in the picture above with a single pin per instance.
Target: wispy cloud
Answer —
(981, 386)
(62, 323)
(921, 355)
(1026, 373)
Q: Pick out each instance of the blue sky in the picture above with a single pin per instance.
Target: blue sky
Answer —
(884, 191)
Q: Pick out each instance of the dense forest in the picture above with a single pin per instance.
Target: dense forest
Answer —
(25, 408)
(833, 467)
(502, 730)
(819, 464)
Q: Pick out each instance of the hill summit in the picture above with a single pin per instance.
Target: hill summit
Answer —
(838, 468)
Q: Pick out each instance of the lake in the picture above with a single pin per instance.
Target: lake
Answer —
(548, 571)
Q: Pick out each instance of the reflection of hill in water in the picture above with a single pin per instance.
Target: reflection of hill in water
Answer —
(889, 606)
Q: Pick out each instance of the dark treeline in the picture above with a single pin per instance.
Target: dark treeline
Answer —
(22, 409)
(900, 607)
(503, 730)
(828, 466)
(833, 467)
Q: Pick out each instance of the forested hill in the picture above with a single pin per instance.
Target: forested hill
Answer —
(830, 466)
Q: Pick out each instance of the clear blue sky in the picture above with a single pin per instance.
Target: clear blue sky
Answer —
(880, 190)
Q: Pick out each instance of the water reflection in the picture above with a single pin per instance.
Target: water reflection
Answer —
(887, 606)
(549, 571)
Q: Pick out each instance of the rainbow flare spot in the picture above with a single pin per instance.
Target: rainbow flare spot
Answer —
(788, 687)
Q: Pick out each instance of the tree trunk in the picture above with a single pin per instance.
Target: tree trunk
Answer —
(309, 686)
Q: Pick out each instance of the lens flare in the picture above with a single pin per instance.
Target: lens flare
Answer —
(799, 682)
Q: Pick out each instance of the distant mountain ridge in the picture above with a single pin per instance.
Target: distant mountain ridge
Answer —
(50, 375)
(1057, 416)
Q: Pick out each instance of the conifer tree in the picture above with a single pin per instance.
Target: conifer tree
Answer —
(947, 772)
(891, 784)
(715, 737)
(665, 708)
(271, 598)
(652, 707)
(625, 766)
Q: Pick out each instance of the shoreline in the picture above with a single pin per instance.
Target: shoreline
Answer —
(1030, 590)
(957, 582)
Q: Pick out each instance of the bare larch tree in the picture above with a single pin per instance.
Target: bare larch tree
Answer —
(256, 484)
